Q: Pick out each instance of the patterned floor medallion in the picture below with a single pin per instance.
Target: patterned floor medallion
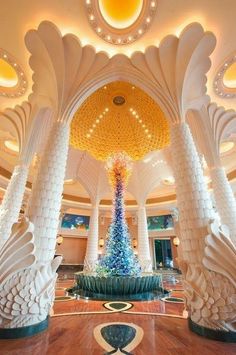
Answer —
(118, 306)
(173, 299)
(118, 338)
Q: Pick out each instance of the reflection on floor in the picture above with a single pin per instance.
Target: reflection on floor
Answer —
(84, 327)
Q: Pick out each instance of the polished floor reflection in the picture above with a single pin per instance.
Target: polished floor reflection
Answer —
(84, 327)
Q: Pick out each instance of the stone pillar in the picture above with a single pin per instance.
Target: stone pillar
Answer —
(11, 204)
(91, 255)
(143, 240)
(208, 257)
(45, 204)
(225, 200)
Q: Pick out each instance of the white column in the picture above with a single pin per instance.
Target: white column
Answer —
(193, 199)
(91, 255)
(143, 240)
(11, 204)
(45, 204)
(208, 257)
(225, 200)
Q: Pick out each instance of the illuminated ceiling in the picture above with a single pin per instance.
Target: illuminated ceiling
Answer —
(119, 117)
(13, 82)
(230, 76)
(8, 76)
(225, 79)
(120, 22)
(120, 13)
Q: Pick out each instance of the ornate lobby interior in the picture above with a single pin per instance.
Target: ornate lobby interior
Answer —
(117, 177)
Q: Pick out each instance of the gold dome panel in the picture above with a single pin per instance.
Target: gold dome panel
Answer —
(119, 117)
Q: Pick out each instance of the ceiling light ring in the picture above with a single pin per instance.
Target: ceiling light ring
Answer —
(20, 88)
(119, 36)
(219, 87)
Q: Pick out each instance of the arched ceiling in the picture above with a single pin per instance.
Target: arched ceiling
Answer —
(119, 117)
(70, 16)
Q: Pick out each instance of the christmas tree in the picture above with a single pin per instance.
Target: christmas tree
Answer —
(119, 258)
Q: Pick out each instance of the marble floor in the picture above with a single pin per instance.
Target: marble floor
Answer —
(84, 327)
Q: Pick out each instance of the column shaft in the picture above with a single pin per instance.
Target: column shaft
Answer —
(225, 200)
(92, 242)
(143, 240)
(11, 204)
(45, 204)
(193, 199)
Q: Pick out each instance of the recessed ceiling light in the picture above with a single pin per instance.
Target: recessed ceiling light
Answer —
(169, 181)
(12, 145)
(226, 147)
(69, 182)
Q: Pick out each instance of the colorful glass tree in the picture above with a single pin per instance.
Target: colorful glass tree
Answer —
(119, 258)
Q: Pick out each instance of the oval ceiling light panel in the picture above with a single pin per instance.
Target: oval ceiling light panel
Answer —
(229, 78)
(120, 13)
(13, 82)
(8, 75)
(225, 79)
(120, 22)
(226, 147)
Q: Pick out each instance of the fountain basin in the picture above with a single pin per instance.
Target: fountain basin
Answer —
(146, 286)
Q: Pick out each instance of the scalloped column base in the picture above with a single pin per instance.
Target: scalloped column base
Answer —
(30, 330)
(220, 335)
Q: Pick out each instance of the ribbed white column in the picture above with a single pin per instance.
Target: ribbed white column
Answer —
(91, 255)
(45, 204)
(193, 199)
(143, 241)
(11, 204)
(225, 200)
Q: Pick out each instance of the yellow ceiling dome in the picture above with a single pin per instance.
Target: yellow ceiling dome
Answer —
(8, 75)
(119, 117)
(120, 13)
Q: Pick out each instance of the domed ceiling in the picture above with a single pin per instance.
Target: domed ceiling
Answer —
(118, 117)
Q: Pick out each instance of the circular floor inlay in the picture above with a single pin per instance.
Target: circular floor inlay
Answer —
(118, 306)
(173, 299)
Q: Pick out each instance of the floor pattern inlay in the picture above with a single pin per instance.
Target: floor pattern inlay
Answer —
(118, 338)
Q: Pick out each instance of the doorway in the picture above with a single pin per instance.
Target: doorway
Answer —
(163, 253)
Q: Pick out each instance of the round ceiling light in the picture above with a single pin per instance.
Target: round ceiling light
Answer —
(226, 147)
(225, 79)
(119, 100)
(12, 145)
(120, 21)
(169, 181)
